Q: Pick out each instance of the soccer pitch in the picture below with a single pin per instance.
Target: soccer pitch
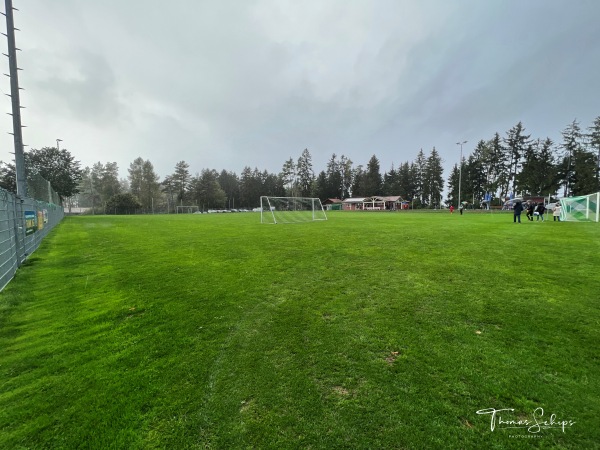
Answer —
(368, 330)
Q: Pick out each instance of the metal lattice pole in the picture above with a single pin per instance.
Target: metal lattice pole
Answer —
(16, 104)
(460, 171)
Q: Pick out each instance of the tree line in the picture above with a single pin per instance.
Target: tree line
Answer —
(100, 187)
(498, 167)
(520, 165)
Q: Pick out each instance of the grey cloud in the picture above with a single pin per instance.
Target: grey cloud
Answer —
(227, 84)
(85, 87)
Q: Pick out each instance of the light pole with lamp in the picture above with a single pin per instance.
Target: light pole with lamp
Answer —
(49, 189)
(460, 170)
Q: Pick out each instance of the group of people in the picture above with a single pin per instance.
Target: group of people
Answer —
(535, 210)
(461, 208)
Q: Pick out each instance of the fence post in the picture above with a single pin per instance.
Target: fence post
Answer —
(19, 226)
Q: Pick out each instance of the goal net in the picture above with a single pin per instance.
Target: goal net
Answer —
(186, 209)
(583, 208)
(290, 209)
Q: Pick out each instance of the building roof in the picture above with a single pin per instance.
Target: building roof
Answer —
(332, 200)
(377, 198)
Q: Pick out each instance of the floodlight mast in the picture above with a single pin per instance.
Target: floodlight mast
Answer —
(16, 104)
(460, 171)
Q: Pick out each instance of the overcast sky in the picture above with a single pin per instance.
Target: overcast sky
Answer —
(224, 84)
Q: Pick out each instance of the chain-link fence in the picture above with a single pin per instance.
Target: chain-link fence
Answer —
(40, 189)
(24, 222)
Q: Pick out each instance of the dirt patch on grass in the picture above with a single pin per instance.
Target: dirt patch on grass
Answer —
(341, 391)
(392, 357)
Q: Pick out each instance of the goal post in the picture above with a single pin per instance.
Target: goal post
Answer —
(291, 210)
(183, 209)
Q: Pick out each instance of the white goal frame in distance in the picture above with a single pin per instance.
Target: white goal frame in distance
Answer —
(186, 209)
(297, 210)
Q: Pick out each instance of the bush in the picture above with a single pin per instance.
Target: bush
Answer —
(123, 204)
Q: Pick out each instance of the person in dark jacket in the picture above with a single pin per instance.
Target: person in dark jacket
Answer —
(530, 209)
(518, 209)
(540, 209)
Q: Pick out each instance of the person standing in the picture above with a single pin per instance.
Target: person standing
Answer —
(556, 212)
(461, 208)
(530, 209)
(541, 209)
(518, 209)
(451, 209)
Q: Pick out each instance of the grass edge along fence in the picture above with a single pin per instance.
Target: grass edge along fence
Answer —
(24, 223)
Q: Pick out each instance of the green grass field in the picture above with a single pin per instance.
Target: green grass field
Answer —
(370, 330)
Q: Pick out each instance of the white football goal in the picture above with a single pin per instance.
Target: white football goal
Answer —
(582, 208)
(290, 209)
(183, 209)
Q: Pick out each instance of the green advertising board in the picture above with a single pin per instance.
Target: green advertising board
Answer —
(30, 222)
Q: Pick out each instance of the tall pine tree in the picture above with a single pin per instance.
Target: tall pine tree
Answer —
(516, 142)
(373, 183)
(433, 182)
(305, 174)
(594, 143)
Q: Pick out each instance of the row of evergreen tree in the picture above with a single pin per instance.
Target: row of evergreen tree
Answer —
(101, 188)
(520, 165)
(499, 166)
